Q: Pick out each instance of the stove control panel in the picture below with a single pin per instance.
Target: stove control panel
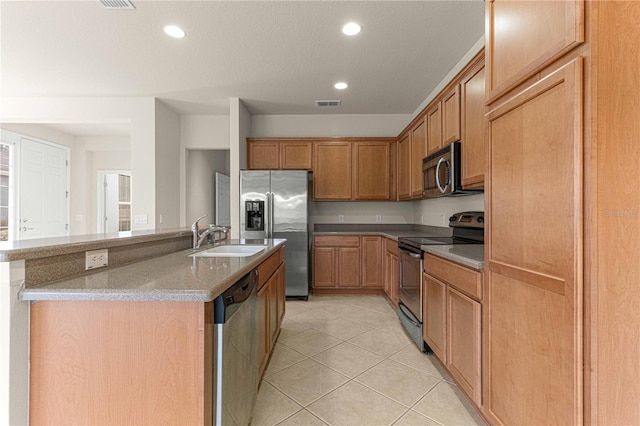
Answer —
(467, 220)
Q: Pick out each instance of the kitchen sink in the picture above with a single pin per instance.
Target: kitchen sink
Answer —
(231, 250)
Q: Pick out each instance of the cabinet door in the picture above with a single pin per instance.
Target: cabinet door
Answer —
(518, 45)
(324, 267)
(348, 267)
(371, 170)
(295, 155)
(533, 290)
(386, 273)
(474, 128)
(418, 152)
(434, 126)
(282, 297)
(371, 249)
(263, 155)
(273, 309)
(395, 279)
(451, 116)
(464, 345)
(404, 167)
(332, 171)
(263, 334)
(434, 315)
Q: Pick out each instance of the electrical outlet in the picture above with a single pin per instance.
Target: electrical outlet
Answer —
(340, 218)
(444, 219)
(96, 259)
(421, 219)
(378, 218)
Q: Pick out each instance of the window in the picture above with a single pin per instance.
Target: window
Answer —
(5, 171)
(124, 203)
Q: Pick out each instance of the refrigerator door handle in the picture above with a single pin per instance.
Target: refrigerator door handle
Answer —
(267, 215)
(271, 213)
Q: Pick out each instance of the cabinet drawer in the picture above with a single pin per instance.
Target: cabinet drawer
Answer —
(391, 246)
(337, 241)
(269, 266)
(464, 279)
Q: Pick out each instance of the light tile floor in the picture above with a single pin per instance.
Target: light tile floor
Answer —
(345, 360)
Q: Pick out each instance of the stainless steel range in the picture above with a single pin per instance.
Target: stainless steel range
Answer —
(468, 228)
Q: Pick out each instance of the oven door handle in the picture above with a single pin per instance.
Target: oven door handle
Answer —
(408, 315)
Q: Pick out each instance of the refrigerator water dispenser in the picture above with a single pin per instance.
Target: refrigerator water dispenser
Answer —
(255, 215)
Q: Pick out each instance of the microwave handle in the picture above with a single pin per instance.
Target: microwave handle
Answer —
(442, 160)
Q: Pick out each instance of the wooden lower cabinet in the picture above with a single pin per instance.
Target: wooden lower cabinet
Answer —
(464, 320)
(347, 264)
(271, 306)
(263, 337)
(434, 316)
(452, 321)
(127, 362)
(390, 270)
(371, 250)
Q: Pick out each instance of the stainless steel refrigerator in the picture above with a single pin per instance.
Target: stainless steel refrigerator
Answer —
(274, 204)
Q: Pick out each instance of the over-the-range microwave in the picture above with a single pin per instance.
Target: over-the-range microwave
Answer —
(441, 173)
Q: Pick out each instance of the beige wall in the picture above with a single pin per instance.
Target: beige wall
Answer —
(239, 130)
(202, 166)
(167, 167)
(139, 113)
(328, 125)
(199, 132)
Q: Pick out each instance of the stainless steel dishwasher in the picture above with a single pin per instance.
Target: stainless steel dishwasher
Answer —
(235, 352)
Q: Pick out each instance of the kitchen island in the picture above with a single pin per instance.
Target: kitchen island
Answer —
(134, 344)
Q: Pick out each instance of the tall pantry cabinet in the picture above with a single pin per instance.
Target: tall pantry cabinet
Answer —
(562, 295)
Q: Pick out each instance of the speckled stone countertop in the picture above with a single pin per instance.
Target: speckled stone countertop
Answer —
(392, 231)
(46, 247)
(471, 255)
(175, 277)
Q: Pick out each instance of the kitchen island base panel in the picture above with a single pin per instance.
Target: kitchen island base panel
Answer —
(120, 362)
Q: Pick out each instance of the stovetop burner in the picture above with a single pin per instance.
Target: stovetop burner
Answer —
(468, 228)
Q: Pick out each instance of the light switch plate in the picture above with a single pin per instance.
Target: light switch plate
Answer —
(141, 218)
(340, 218)
(96, 259)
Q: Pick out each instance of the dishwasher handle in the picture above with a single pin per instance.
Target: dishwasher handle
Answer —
(225, 305)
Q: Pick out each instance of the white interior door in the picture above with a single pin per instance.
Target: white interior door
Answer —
(223, 200)
(43, 189)
(111, 203)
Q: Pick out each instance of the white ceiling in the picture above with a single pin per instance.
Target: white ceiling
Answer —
(277, 56)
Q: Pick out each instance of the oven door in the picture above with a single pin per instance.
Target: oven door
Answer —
(411, 279)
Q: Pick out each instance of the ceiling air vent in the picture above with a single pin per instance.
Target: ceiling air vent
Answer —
(117, 4)
(328, 103)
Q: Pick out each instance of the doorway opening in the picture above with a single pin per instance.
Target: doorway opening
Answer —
(114, 201)
(208, 186)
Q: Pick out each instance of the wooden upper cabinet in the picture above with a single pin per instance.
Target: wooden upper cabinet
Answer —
(451, 116)
(273, 154)
(263, 155)
(525, 36)
(295, 155)
(404, 166)
(418, 152)
(332, 170)
(371, 170)
(474, 128)
(434, 125)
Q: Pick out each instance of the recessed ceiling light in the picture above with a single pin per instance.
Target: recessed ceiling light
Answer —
(351, 29)
(341, 85)
(174, 31)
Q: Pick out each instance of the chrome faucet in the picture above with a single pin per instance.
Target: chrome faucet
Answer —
(199, 237)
